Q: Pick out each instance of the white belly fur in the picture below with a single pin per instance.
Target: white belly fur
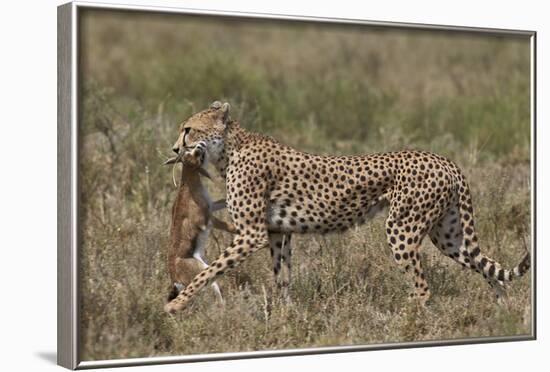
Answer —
(198, 254)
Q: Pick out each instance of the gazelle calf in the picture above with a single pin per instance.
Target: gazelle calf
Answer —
(192, 221)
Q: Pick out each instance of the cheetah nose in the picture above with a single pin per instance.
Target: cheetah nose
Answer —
(176, 149)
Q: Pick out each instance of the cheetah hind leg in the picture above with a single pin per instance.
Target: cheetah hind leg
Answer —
(405, 247)
(280, 249)
(447, 236)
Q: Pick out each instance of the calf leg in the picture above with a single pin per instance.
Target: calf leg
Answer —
(243, 245)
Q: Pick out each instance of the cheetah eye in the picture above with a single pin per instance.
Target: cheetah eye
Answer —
(186, 130)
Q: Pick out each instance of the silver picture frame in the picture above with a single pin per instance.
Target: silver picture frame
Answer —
(68, 186)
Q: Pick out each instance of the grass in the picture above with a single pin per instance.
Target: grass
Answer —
(320, 88)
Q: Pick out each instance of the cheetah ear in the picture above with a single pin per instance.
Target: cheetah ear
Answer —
(216, 105)
(222, 110)
(225, 109)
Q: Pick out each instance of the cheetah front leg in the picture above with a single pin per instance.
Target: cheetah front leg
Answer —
(280, 249)
(243, 245)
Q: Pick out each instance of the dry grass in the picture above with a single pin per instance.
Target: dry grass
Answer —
(323, 89)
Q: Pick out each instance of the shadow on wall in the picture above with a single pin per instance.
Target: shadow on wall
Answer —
(48, 356)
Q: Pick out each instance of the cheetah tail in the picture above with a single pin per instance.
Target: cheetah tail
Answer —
(523, 266)
(492, 269)
(470, 252)
(516, 272)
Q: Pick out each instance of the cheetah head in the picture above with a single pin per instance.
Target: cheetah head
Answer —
(207, 126)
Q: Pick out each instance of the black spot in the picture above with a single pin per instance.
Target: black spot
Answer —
(173, 293)
(492, 271)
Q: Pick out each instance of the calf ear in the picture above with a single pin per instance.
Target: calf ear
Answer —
(173, 160)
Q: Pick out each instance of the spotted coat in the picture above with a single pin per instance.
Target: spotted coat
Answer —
(274, 190)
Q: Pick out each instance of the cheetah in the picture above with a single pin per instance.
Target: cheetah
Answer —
(274, 190)
(192, 221)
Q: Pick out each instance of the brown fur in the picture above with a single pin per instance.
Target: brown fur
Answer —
(191, 216)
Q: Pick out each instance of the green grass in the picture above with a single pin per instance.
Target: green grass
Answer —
(319, 88)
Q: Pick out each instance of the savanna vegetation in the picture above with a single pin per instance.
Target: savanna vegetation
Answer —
(321, 88)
